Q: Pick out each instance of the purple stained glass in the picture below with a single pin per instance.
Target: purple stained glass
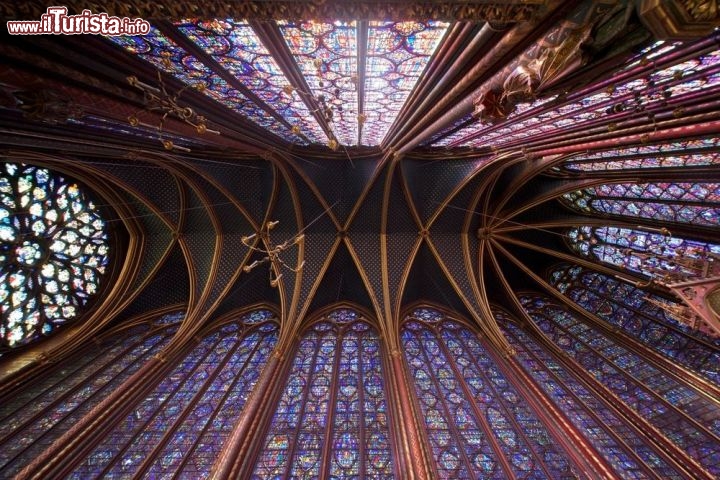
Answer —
(681, 153)
(397, 54)
(326, 54)
(236, 46)
(638, 314)
(39, 415)
(621, 446)
(466, 400)
(180, 427)
(660, 399)
(695, 203)
(334, 393)
(171, 59)
(647, 89)
(639, 250)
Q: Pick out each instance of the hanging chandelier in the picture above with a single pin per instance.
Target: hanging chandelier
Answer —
(272, 253)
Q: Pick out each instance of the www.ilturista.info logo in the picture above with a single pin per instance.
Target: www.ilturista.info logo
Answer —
(57, 22)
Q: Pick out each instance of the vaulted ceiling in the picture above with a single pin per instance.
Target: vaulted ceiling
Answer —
(415, 155)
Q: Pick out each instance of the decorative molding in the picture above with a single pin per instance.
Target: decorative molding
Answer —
(680, 19)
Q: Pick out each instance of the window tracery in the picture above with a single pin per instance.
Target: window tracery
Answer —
(627, 452)
(639, 250)
(676, 154)
(54, 250)
(636, 312)
(32, 420)
(332, 416)
(689, 420)
(683, 202)
(475, 419)
(180, 427)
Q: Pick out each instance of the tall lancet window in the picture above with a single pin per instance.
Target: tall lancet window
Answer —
(686, 417)
(650, 251)
(699, 152)
(36, 417)
(696, 203)
(639, 314)
(331, 420)
(478, 424)
(623, 447)
(180, 427)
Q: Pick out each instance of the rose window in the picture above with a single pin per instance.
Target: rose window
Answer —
(53, 251)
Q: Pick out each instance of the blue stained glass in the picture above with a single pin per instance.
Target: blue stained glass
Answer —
(326, 54)
(234, 44)
(207, 388)
(641, 386)
(619, 444)
(38, 416)
(642, 200)
(168, 57)
(397, 54)
(355, 423)
(632, 309)
(628, 248)
(465, 398)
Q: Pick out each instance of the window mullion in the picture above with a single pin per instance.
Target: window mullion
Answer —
(449, 418)
(221, 403)
(329, 426)
(479, 414)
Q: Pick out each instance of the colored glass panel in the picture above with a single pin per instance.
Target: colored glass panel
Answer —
(54, 249)
(180, 427)
(685, 418)
(681, 153)
(637, 313)
(170, 58)
(326, 54)
(236, 47)
(466, 400)
(332, 416)
(642, 92)
(397, 54)
(38, 416)
(640, 251)
(695, 203)
(621, 446)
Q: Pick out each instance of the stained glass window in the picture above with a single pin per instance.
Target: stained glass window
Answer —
(34, 419)
(640, 251)
(54, 250)
(637, 313)
(326, 54)
(638, 93)
(679, 153)
(331, 419)
(684, 416)
(397, 54)
(169, 57)
(235, 46)
(472, 414)
(180, 427)
(624, 449)
(684, 202)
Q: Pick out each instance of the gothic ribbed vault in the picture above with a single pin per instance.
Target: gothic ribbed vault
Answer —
(425, 150)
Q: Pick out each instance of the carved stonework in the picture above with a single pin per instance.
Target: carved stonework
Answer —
(499, 12)
(680, 19)
(46, 106)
